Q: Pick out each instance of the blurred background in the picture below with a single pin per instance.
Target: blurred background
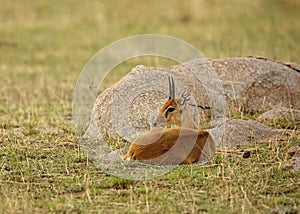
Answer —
(45, 44)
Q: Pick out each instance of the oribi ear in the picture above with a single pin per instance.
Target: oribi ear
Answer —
(170, 109)
(185, 97)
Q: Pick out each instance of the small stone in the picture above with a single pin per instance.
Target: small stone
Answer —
(247, 154)
(292, 211)
(293, 164)
(294, 150)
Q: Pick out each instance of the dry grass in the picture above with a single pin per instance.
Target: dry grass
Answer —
(43, 47)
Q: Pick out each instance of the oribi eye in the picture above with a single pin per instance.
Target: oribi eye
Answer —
(170, 109)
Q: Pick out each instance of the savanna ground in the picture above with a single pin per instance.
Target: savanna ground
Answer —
(43, 47)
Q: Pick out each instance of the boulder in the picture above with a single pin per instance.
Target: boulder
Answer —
(250, 84)
(281, 117)
(234, 132)
(257, 84)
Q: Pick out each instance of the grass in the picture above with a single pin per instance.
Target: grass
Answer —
(43, 47)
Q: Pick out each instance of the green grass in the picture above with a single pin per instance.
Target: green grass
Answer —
(43, 47)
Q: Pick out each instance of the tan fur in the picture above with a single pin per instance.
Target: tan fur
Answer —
(172, 146)
(173, 117)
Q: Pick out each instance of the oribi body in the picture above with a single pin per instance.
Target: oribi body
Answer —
(165, 146)
(177, 145)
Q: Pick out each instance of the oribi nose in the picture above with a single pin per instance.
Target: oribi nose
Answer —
(155, 124)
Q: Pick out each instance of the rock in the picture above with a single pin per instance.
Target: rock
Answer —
(130, 107)
(249, 84)
(281, 117)
(236, 132)
(117, 154)
(294, 163)
(254, 83)
(294, 150)
(280, 211)
(259, 84)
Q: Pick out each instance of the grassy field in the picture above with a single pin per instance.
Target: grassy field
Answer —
(43, 47)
